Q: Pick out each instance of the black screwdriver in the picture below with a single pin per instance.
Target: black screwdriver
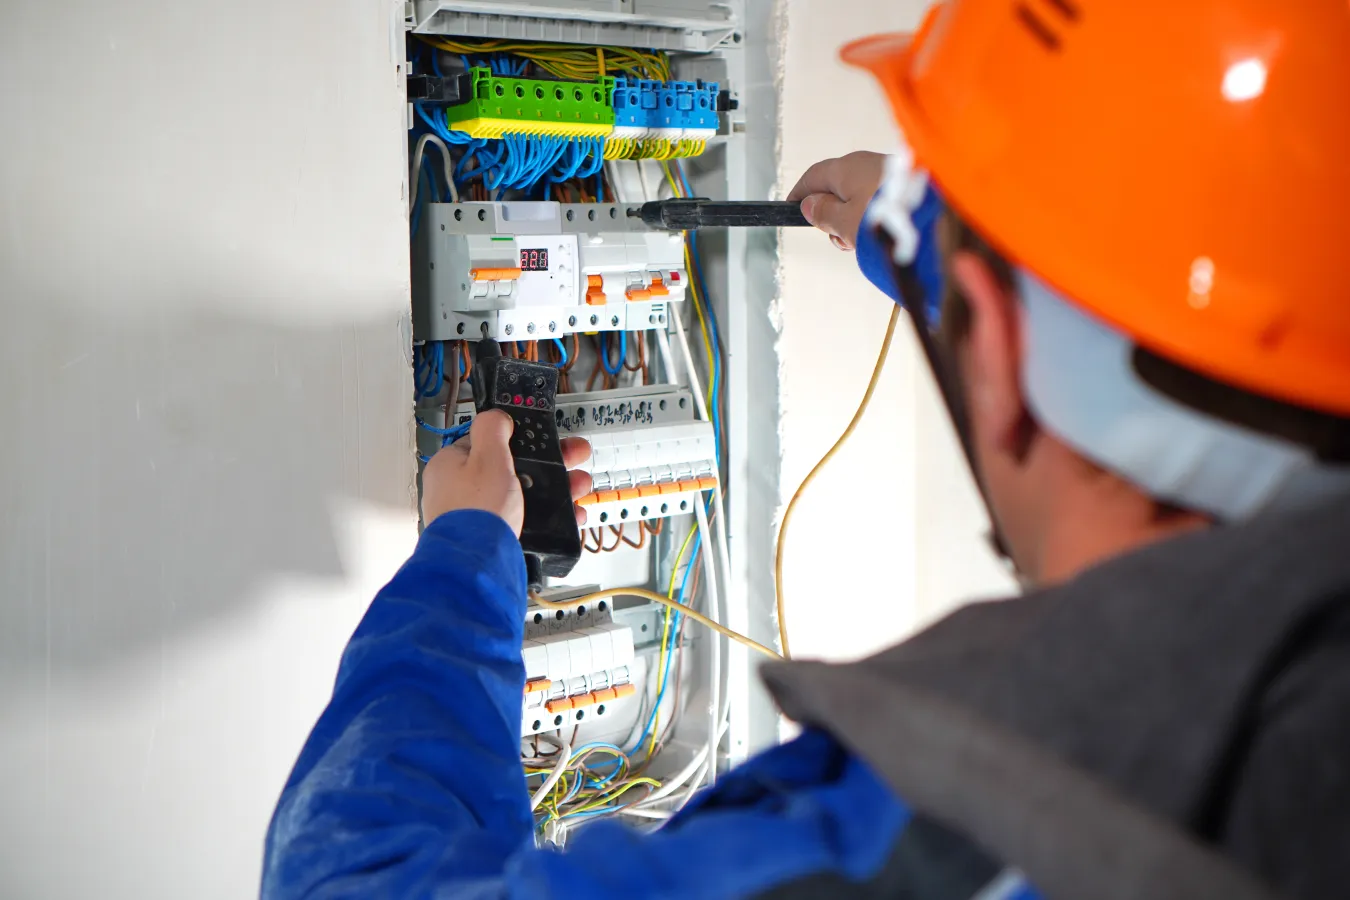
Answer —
(687, 215)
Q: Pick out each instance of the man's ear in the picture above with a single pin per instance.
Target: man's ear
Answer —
(992, 355)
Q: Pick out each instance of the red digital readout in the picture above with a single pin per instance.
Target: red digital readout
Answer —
(534, 260)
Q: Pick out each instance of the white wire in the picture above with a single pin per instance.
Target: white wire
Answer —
(667, 358)
(642, 176)
(671, 785)
(420, 149)
(647, 813)
(616, 182)
(564, 758)
(689, 364)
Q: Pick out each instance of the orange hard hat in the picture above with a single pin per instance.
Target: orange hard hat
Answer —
(1181, 170)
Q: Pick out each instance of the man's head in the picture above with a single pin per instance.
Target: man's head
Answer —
(1056, 510)
(1142, 317)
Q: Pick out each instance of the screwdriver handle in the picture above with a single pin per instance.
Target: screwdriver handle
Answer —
(687, 215)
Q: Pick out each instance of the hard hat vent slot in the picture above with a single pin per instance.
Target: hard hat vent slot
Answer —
(1035, 22)
(1065, 9)
(1038, 28)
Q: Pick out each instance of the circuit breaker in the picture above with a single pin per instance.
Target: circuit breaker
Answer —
(533, 270)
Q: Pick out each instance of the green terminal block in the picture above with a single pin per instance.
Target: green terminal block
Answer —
(502, 105)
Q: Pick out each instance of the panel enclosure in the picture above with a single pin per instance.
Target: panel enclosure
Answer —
(695, 26)
(729, 44)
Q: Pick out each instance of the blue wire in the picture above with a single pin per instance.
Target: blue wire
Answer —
(604, 352)
(434, 356)
(562, 351)
(674, 630)
(448, 435)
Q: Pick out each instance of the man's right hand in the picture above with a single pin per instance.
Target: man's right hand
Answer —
(477, 472)
(834, 194)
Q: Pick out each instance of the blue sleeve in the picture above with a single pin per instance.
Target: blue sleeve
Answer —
(875, 262)
(876, 266)
(411, 785)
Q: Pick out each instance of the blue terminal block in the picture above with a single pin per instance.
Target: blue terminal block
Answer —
(703, 119)
(630, 113)
(670, 110)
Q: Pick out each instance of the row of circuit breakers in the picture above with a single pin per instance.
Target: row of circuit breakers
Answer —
(534, 270)
(650, 457)
(578, 665)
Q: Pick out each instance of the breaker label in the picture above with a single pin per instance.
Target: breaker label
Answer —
(640, 412)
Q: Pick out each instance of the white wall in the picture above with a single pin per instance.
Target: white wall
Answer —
(206, 466)
(888, 537)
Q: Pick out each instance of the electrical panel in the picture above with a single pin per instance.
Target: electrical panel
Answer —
(536, 131)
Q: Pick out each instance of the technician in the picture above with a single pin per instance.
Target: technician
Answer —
(1121, 231)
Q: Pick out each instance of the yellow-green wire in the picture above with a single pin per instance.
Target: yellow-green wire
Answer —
(609, 798)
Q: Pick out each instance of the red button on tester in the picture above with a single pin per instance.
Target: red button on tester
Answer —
(529, 401)
(517, 399)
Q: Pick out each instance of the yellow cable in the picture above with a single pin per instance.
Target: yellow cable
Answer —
(654, 597)
(792, 504)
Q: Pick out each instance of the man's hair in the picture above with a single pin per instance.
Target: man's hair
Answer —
(1326, 435)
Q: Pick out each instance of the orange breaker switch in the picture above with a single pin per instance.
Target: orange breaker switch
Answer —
(538, 684)
(638, 294)
(494, 274)
(627, 689)
(559, 705)
(658, 287)
(595, 290)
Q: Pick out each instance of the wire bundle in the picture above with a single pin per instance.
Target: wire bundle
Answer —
(518, 161)
(707, 318)
(571, 63)
(429, 368)
(653, 148)
(592, 780)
